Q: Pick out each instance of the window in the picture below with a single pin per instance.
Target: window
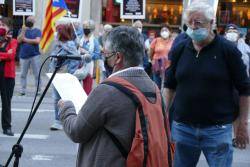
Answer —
(73, 6)
(157, 12)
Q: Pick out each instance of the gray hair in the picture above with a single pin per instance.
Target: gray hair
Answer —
(89, 24)
(137, 23)
(107, 27)
(201, 7)
(129, 42)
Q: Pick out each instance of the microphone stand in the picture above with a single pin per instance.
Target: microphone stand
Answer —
(17, 149)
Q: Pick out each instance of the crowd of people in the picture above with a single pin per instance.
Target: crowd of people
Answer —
(201, 89)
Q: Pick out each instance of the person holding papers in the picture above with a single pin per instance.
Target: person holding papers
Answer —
(108, 109)
(65, 45)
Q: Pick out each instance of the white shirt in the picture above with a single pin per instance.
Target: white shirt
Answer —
(127, 69)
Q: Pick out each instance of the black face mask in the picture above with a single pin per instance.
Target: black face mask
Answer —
(86, 31)
(108, 68)
(29, 24)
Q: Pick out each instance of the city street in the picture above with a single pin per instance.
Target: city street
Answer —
(42, 147)
(45, 148)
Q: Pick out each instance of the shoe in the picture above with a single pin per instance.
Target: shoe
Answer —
(56, 126)
(21, 94)
(8, 132)
(234, 143)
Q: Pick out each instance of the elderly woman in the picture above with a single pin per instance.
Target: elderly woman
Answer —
(89, 45)
(65, 45)
(158, 53)
(204, 72)
(7, 73)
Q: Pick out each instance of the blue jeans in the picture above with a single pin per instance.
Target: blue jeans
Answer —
(157, 79)
(56, 98)
(214, 141)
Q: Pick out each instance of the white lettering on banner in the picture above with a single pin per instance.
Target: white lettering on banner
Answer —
(133, 9)
(132, 5)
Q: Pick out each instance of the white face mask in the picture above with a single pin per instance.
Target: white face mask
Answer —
(232, 36)
(140, 30)
(165, 34)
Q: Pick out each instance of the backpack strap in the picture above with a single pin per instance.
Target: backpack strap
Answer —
(149, 94)
(137, 102)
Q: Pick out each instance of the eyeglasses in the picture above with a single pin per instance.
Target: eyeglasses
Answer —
(108, 55)
(196, 23)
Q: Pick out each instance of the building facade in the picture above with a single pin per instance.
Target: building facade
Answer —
(170, 12)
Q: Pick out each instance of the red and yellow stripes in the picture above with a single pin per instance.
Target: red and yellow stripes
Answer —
(47, 34)
(51, 16)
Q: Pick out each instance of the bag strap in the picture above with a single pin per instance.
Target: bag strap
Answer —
(137, 102)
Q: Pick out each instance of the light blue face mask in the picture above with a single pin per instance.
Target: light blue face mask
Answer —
(197, 35)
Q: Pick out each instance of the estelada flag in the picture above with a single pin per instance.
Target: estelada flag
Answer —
(55, 10)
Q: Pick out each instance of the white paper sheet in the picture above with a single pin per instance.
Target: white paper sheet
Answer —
(69, 88)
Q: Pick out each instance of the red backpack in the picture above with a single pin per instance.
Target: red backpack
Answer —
(151, 145)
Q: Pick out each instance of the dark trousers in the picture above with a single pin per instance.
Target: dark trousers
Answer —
(6, 89)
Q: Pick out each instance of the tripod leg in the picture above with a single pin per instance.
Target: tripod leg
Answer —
(17, 149)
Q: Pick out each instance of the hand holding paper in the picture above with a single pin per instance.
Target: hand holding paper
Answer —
(69, 88)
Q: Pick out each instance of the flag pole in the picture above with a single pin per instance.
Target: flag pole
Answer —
(69, 14)
(23, 20)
